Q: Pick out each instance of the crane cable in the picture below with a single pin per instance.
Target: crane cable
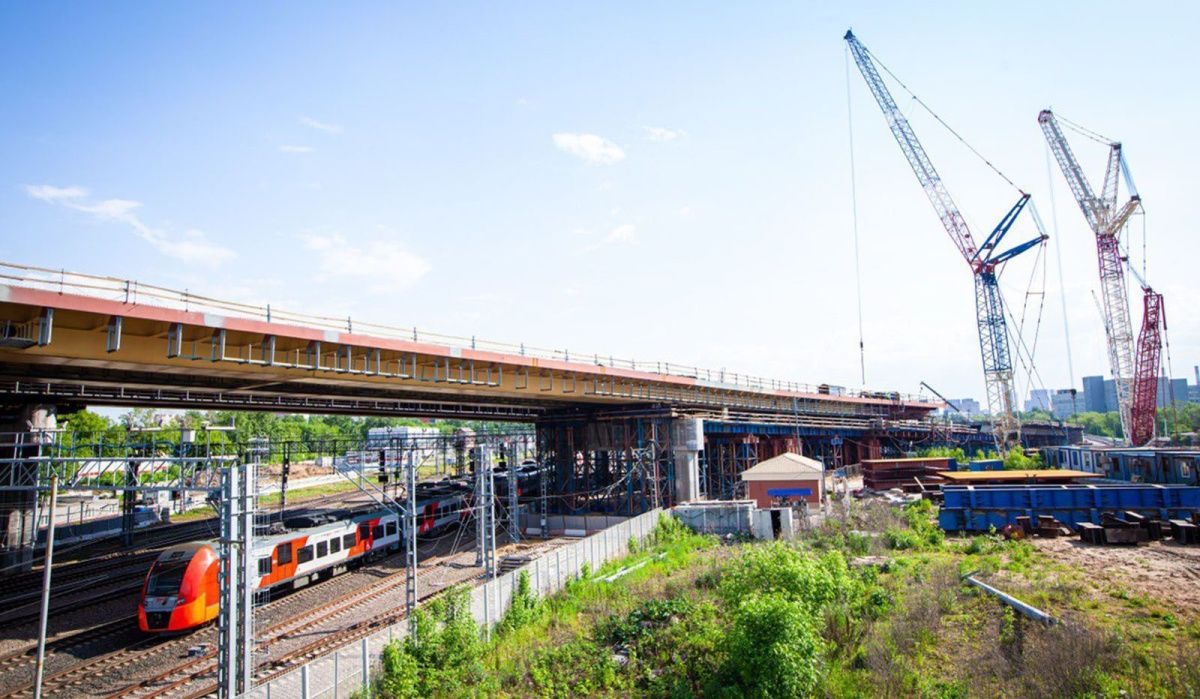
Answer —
(1084, 131)
(862, 352)
(1062, 289)
(941, 121)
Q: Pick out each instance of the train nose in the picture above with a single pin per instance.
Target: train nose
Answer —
(158, 621)
(158, 612)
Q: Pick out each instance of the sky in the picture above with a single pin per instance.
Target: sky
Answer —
(657, 181)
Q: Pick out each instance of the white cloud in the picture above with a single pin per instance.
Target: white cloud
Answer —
(590, 147)
(192, 246)
(320, 125)
(295, 149)
(685, 211)
(385, 265)
(657, 133)
(50, 193)
(624, 234)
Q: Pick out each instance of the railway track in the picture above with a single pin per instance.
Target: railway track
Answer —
(176, 681)
(128, 566)
(180, 682)
(131, 647)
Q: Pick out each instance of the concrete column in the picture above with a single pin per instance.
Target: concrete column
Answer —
(687, 442)
(18, 532)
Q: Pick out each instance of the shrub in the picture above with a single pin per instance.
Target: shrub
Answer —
(524, 606)
(775, 569)
(642, 621)
(774, 649)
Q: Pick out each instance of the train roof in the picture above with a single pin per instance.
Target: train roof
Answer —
(182, 552)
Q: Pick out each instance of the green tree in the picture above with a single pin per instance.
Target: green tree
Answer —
(1101, 424)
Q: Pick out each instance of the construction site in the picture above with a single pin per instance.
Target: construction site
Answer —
(203, 494)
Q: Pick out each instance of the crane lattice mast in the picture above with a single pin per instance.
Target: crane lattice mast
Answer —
(1107, 220)
(982, 260)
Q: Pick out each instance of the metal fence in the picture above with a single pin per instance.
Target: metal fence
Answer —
(341, 673)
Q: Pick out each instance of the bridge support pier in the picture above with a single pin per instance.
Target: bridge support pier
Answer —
(23, 438)
(687, 444)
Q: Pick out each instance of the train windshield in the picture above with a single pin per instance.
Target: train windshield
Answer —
(166, 578)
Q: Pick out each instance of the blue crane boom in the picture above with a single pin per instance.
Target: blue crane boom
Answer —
(982, 260)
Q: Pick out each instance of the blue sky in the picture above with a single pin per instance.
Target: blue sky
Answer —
(666, 182)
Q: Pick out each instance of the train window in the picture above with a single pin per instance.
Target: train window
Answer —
(304, 555)
(348, 541)
(264, 566)
(378, 532)
(166, 578)
(391, 529)
(283, 554)
(335, 545)
(364, 531)
(322, 549)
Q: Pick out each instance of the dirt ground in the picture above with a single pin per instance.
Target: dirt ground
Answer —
(1165, 571)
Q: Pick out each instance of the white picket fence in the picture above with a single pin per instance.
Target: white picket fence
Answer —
(349, 668)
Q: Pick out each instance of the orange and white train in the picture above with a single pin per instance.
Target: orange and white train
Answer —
(181, 590)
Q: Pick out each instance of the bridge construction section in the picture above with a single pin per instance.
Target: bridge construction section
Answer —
(621, 435)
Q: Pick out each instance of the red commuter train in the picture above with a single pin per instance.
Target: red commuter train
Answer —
(181, 590)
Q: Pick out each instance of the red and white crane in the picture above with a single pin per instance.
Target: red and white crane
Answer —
(1136, 379)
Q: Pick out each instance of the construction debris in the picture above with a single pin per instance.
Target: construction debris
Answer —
(885, 474)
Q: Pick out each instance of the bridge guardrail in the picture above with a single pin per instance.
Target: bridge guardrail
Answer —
(134, 292)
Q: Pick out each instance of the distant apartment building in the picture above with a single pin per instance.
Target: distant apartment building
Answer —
(1039, 399)
(1100, 394)
(1064, 403)
(1171, 390)
(966, 406)
(1094, 397)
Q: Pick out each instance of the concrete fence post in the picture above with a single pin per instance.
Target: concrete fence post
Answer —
(487, 613)
(366, 664)
(337, 672)
(304, 681)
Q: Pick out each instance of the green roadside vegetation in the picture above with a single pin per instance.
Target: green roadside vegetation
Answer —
(870, 604)
(1016, 459)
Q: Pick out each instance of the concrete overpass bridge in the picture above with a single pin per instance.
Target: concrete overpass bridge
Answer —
(68, 340)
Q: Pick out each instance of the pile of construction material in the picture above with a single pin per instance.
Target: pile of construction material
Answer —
(911, 475)
(1045, 526)
(1134, 528)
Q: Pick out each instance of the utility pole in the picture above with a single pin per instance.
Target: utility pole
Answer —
(485, 502)
(410, 544)
(543, 501)
(514, 512)
(235, 622)
(46, 566)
